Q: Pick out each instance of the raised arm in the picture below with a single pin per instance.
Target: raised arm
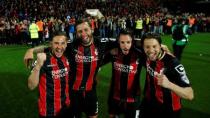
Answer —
(29, 54)
(33, 79)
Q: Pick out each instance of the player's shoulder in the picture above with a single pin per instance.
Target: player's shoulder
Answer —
(170, 60)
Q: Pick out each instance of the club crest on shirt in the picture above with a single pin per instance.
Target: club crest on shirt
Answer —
(77, 51)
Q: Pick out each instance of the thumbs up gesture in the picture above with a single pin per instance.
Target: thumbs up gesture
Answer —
(162, 80)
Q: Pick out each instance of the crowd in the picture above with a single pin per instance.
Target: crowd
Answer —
(141, 16)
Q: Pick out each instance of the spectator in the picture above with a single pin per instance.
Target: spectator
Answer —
(33, 29)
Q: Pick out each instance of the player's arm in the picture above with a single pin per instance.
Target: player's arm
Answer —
(29, 55)
(183, 92)
(33, 79)
(108, 44)
(108, 56)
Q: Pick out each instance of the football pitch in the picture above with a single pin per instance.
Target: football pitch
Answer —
(17, 101)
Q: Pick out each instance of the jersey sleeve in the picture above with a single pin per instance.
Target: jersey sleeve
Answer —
(108, 43)
(104, 45)
(179, 74)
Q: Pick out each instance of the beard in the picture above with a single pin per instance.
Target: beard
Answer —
(125, 51)
(85, 40)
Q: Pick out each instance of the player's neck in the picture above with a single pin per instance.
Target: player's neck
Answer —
(88, 44)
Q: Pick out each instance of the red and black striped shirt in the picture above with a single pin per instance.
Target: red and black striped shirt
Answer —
(53, 85)
(85, 62)
(125, 85)
(158, 95)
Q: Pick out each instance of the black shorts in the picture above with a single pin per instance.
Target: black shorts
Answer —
(84, 101)
(129, 110)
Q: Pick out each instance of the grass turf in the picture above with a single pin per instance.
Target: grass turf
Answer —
(16, 101)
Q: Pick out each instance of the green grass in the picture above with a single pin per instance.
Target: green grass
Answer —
(17, 101)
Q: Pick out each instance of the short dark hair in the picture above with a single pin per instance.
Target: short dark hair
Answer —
(151, 35)
(126, 32)
(82, 20)
(59, 33)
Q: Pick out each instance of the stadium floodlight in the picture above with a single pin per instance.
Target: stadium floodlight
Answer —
(94, 12)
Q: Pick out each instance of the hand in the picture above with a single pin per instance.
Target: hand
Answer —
(162, 80)
(165, 48)
(28, 57)
(41, 58)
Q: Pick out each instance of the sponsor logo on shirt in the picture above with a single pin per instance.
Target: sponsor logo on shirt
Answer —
(80, 58)
(124, 68)
(59, 73)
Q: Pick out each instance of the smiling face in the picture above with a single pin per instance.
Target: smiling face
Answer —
(59, 44)
(125, 42)
(84, 33)
(152, 48)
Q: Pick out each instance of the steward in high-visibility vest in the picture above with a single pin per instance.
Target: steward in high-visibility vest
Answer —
(139, 28)
(33, 29)
(139, 24)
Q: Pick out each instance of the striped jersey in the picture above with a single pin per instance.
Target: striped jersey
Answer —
(175, 72)
(125, 84)
(53, 85)
(85, 62)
